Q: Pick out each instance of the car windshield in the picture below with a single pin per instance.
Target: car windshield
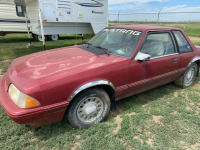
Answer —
(117, 41)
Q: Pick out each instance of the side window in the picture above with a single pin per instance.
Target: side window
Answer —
(20, 11)
(158, 44)
(183, 45)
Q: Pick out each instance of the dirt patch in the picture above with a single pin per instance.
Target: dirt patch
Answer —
(175, 94)
(188, 108)
(114, 113)
(32, 140)
(196, 146)
(133, 113)
(194, 39)
(192, 103)
(118, 121)
(6, 60)
(30, 132)
(143, 106)
(138, 137)
(78, 137)
(197, 86)
(156, 119)
(125, 144)
(150, 142)
(187, 97)
(76, 144)
(175, 112)
(183, 145)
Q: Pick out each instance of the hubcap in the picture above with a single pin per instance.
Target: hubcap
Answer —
(40, 37)
(190, 75)
(54, 37)
(90, 109)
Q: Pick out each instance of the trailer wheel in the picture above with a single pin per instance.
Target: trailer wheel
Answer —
(2, 34)
(54, 37)
(33, 35)
(39, 38)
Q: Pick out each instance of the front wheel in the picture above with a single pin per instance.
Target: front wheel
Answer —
(88, 108)
(188, 77)
(33, 35)
(39, 38)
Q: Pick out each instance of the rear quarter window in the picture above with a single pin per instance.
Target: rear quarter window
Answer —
(184, 46)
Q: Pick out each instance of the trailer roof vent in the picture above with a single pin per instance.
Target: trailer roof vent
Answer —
(64, 5)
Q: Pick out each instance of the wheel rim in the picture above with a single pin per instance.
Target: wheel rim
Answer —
(54, 37)
(40, 37)
(90, 109)
(190, 75)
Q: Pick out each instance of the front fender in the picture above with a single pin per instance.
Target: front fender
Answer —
(90, 84)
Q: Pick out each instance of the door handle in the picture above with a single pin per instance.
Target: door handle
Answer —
(176, 59)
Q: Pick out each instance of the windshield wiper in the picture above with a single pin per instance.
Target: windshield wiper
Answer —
(103, 48)
(88, 44)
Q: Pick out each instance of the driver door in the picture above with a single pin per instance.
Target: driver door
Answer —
(162, 68)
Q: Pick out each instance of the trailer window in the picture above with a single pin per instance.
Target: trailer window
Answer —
(20, 11)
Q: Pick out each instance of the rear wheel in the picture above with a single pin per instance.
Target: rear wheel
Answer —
(88, 108)
(54, 37)
(188, 77)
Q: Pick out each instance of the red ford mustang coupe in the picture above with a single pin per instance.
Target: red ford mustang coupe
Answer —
(84, 81)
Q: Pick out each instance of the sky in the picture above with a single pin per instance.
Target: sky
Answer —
(134, 6)
(131, 6)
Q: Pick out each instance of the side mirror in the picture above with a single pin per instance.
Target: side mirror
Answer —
(20, 11)
(142, 57)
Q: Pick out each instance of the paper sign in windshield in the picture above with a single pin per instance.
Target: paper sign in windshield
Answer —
(124, 31)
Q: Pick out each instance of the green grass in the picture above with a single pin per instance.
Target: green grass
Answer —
(14, 45)
(163, 118)
(190, 30)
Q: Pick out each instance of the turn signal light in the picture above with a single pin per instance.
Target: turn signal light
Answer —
(30, 102)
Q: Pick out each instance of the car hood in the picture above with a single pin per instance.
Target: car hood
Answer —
(43, 66)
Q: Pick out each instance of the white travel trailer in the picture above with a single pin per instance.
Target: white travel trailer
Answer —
(54, 17)
(9, 21)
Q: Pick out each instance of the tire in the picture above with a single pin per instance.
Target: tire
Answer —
(54, 37)
(2, 34)
(39, 38)
(33, 35)
(188, 77)
(89, 108)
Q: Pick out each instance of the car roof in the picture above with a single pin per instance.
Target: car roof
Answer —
(144, 27)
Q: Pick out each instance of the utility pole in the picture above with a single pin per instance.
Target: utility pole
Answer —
(118, 17)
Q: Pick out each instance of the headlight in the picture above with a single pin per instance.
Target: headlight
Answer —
(20, 99)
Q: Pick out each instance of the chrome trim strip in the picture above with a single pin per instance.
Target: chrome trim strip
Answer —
(195, 59)
(164, 56)
(90, 84)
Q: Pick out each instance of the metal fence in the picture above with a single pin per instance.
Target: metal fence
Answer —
(187, 21)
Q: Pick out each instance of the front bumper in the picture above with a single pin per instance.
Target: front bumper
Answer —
(35, 116)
